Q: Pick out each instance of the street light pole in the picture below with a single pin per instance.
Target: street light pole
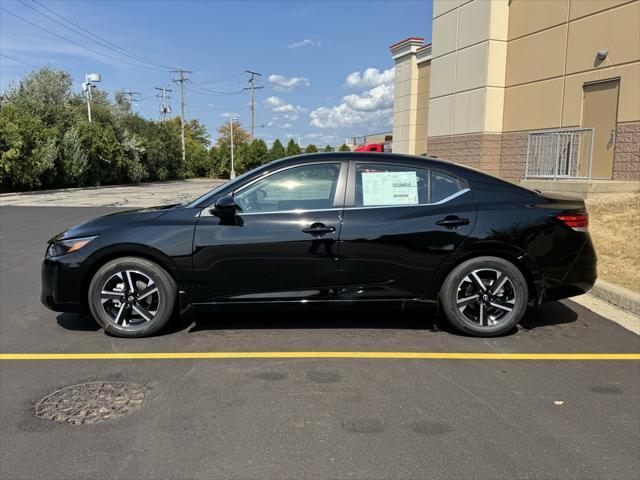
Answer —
(87, 89)
(88, 95)
(233, 172)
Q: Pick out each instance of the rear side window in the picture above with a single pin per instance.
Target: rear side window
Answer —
(386, 185)
(396, 185)
(443, 186)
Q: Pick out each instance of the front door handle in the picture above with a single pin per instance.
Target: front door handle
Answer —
(318, 229)
(451, 221)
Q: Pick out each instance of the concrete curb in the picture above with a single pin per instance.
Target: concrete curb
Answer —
(616, 295)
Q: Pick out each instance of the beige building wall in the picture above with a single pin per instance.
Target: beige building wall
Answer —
(466, 94)
(411, 94)
(502, 68)
(552, 55)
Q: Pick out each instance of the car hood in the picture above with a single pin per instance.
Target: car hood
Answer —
(118, 219)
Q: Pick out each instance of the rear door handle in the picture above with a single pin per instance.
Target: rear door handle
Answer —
(451, 221)
(318, 229)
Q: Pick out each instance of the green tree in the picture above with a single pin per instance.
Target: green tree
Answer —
(221, 158)
(44, 94)
(344, 148)
(257, 154)
(198, 162)
(277, 150)
(311, 148)
(328, 148)
(293, 148)
(240, 135)
(46, 140)
(28, 149)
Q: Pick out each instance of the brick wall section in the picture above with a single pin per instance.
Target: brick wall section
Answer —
(477, 150)
(626, 156)
(505, 154)
(514, 155)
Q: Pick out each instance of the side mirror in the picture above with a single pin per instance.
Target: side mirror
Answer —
(226, 206)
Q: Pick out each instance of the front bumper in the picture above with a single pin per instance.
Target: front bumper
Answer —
(62, 288)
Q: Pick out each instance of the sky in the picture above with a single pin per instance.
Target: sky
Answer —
(326, 68)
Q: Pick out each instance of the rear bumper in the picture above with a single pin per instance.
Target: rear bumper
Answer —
(62, 286)
(580, 278)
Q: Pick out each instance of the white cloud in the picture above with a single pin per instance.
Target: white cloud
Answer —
(371, 77)
(374, 99)
(273, 101)
(286, 125)
(285, 84)
(228, 114)
(304, 43)
(278, 105)
(345, 116)
(370, 106)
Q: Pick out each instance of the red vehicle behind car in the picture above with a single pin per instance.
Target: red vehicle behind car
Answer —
(373, 147)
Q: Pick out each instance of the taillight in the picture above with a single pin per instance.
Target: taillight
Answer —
(578, 222)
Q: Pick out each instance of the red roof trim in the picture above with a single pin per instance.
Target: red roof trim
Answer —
(423, 47)
(417, 39)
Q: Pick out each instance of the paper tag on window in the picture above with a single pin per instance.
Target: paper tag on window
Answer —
(389, 188)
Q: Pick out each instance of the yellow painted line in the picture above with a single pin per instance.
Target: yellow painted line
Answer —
(373, 355)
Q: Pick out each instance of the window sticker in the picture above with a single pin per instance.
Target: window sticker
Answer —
(389, 188)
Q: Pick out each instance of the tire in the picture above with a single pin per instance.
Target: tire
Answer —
(484, 296)
(126, 312)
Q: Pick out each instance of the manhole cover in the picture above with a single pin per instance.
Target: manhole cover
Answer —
(89, 403)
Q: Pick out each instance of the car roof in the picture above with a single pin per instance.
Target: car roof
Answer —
(386, 157)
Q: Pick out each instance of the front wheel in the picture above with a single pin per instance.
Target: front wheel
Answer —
(485, 296)
(132, 297)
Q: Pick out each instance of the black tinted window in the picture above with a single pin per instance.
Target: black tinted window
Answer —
(443, 186)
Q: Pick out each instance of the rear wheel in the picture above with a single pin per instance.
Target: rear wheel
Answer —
(485, 296)
(132, 297)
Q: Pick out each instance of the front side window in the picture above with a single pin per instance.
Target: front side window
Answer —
(307, 187)
(389, 185)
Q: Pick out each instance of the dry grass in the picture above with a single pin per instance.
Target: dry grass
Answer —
(614, 225)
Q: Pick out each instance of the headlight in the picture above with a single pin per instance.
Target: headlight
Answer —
(62, 247)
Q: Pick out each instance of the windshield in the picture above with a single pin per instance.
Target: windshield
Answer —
(203, 198)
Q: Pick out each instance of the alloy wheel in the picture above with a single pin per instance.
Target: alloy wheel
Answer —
(130, 298)
(486, 297)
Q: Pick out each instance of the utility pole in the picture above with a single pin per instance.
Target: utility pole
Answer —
(252, 88)
(232, 174)
(131, 94)
(181, 81)
(164, 106)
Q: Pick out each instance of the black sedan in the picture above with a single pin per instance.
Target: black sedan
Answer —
(335, 228)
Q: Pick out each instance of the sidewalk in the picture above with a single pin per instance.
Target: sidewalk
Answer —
(134, 196)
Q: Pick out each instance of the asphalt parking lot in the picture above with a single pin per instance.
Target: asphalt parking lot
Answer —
(488, 417)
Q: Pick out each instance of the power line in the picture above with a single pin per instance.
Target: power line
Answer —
(103, 41)
(208, 91)
(19, 61)
(220, 80)
(79, 44)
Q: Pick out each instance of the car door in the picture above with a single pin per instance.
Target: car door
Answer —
(400, 223)
(282, 244)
